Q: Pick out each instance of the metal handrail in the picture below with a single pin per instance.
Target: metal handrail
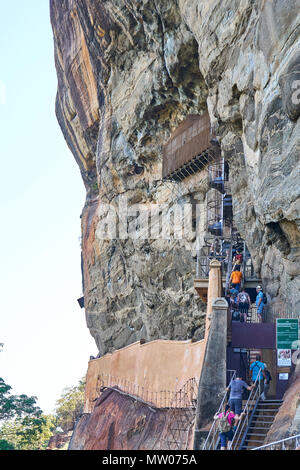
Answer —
(210, 440)
(244, 424)
(282, 442)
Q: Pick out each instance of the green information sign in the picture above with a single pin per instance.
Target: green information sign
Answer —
(287, 331)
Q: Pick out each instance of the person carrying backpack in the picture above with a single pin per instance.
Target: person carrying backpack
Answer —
(243, 301)
(261, 300)
(235, 316)
(226, 421)
(267, 381)
(255, 369)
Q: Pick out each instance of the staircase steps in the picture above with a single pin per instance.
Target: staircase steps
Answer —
(261, 422)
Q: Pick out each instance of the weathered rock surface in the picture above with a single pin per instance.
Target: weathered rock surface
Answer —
(128, 73)
(60, 441)
(287, 421)
(119, 422)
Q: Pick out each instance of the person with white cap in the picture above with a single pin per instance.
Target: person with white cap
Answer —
(259, 302)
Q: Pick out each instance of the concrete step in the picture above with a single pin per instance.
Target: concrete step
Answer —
(263, 415)
(265, 412)
(273, 408)
(272, 401)
(266, 423)
(269, 405)
(250, 447)
(254, 440)
(257, 428)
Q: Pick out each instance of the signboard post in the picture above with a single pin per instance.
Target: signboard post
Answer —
(287, 339)
(287, 332)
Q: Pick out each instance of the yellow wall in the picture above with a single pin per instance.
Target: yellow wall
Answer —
(155, 366)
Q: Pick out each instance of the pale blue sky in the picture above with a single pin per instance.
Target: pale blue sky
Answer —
(47, 344)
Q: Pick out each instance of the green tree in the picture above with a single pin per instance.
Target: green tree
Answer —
(5, 445)
(28, 433)
(69, 406)
(12, 406)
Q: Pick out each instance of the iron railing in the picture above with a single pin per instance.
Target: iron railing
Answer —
(273, 314)
(289, 443)
(202, 266)
(180, 419)
(213, 435)
(218, 176)
(249, 409)
(186, 397)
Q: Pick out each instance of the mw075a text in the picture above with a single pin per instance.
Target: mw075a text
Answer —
(171, 459)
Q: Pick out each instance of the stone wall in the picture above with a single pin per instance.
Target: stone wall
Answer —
(146, 369)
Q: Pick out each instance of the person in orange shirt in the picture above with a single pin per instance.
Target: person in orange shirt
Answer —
(236, 278)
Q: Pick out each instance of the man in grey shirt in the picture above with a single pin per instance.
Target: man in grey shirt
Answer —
(236, 387)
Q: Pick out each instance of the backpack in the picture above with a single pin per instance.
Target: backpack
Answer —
(265, 300)
(268, 376)
(235, 316)
(223, 424)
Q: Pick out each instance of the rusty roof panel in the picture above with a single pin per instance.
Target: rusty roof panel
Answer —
(189, 140)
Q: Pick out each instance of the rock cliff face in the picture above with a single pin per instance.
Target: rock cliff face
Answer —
(128, 73)
(287, 421)
(120, 422)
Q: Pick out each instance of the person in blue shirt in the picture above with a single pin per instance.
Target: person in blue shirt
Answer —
(255, 369)
(259, 302)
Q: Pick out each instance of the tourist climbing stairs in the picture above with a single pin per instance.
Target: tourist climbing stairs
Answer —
(252, 429)
(212, 441)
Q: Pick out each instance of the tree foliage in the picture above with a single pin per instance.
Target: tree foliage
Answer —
(12, 406)
(69, 406)
(28, 433)
(5, 445)
(24, 426)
